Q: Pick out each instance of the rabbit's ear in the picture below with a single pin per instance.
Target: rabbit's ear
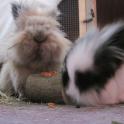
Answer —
(16, 9)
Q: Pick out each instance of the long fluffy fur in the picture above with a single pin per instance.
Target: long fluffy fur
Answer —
(94, 68)
(30, 42)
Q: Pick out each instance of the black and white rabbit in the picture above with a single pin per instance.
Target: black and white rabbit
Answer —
(93, 71)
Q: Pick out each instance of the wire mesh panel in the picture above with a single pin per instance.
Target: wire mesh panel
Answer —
(69, 18)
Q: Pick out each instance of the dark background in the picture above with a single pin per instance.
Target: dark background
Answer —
(69, 18)
(109, 11)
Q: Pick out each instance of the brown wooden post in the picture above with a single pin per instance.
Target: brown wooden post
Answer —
(82, 16)
(95, 12)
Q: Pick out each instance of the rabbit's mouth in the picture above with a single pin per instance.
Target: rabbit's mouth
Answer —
(45, 39)
(39, 40)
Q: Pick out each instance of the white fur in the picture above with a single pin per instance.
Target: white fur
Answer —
(20, 53)
(7, 21)
(81, 58)
(88, 45)
(74, 61)
(113, 93)
(73, 92)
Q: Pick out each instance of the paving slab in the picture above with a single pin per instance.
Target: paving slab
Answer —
(61, 114)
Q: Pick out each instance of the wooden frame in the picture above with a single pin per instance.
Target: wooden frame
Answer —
(95, 12)
(82, 16)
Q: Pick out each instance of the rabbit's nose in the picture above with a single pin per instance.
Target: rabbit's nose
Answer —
(40, 37)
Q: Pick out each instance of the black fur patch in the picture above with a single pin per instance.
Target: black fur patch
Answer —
(96, 78)
(106, 63)
(65, 76)
(15, 10)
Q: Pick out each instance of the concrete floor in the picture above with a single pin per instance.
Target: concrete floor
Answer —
(42, 114)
